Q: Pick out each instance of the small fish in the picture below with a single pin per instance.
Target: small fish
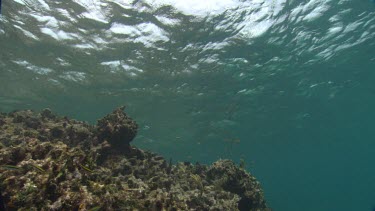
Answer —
(38, 168)
(97, 208)
(10, 167)
(85, 168)
(59, 174)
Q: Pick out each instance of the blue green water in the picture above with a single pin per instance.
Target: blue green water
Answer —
(288, 86)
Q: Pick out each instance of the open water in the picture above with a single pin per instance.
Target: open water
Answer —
(288, 86)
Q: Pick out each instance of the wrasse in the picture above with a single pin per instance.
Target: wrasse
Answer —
(85, 168)
(38, 168)
(10, 167)
(97, 208)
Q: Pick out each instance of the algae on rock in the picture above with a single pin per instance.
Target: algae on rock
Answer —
(49, 162)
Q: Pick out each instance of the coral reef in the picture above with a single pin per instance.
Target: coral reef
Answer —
(49, 162)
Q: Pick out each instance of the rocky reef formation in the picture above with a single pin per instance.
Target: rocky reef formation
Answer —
(117, 128)
(49, 162)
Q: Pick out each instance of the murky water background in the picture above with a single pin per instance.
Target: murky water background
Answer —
(288, 86)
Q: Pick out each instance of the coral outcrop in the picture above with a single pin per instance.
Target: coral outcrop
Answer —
(117, 128)
(49, 162)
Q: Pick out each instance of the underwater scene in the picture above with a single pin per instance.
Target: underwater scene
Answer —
(187, 105)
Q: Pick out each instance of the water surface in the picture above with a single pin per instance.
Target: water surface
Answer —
(288, 86)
